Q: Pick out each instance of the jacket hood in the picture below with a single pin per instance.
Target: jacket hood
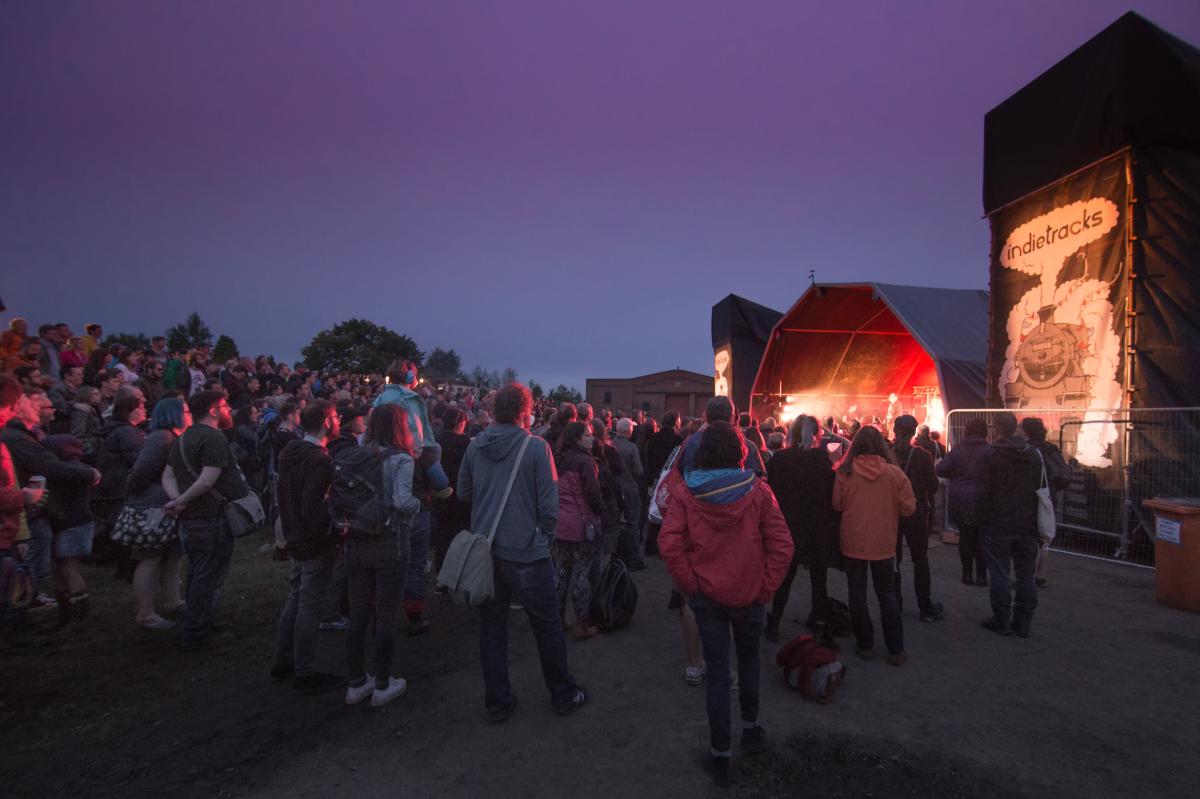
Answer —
(868, 466)
(394, 393)
(499, 441)
(1017, 449)
(720, 486)
(108, 426)
(299, 452)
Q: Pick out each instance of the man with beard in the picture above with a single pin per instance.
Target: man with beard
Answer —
(199, 466)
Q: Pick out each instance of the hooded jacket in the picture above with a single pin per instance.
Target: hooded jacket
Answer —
(531, 515)
(724, 537)
(414, 406)
(961, 468)
(304, 473)
(1006, 490)
(802, 480)
(871, 498)
(580, 499)
(120, 445)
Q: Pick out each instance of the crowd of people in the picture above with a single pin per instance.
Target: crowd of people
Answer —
(146, 460)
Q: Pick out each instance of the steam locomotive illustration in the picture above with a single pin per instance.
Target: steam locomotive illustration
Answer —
(1049, 364)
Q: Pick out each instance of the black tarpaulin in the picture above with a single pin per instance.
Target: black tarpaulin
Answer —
(742, 328)
(1133, 84)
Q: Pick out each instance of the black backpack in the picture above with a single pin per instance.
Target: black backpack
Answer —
(356, 490)
(615, 598)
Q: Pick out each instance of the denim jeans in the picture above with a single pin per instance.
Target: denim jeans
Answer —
(375, 571)
(209, 548)
(883, 574)
(418, 547)
(41, 544)
(1021, 552)
(915, 530)
(715, 622)
(296, 641)
(533, 586)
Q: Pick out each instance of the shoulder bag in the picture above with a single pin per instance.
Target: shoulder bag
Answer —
(1046, 521)
(467, 570)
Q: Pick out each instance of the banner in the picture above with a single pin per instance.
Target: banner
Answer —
(1058, 303)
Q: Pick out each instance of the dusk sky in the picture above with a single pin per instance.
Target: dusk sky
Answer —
(561, 187)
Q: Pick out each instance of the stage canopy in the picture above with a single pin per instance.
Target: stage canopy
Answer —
(867, 350)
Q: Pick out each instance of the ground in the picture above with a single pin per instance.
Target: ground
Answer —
(1100, 702)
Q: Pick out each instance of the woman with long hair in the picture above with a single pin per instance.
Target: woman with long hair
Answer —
(872, 493)
(156, 576)
(376, 564)
(578, 536)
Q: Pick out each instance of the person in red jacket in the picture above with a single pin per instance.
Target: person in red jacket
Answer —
(872, 494)
(727, 547)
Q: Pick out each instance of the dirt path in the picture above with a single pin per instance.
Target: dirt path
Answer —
(1101, 702)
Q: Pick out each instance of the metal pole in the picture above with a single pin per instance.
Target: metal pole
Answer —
(1130, 350)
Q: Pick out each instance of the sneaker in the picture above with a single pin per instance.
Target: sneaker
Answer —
(395, 687)
(515, 606)
(898, 659)
(317, 683)
(44, 602)
(581, 697)
(865, 654)
(718, 769)
(281, 671)
(155, 622)
(754, 741)
(357, 693)
(695, 674)
(933, 612)
(499, 715)
(444, 493)
(998, 626)
(339, 623)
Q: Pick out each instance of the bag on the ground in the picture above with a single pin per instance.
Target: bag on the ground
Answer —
(661, 494)
(147, 528)
(810, 668)
(355, 490)
(832, 622)
(615, 599)
(1046, 521)
(467, 570)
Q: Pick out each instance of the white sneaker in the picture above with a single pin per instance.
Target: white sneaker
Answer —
(396, 686)
(155, 622)
(695, 674)
(354, 695)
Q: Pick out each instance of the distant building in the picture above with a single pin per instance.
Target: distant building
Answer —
(655, 393)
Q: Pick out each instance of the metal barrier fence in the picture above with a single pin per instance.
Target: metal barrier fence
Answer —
(1117, 459)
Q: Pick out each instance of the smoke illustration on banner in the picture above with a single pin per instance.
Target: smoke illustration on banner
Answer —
(1063, 346)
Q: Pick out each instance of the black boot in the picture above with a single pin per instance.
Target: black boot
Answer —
(771, 630)
(997, 624)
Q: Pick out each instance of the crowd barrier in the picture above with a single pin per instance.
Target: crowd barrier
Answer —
(1117, 460)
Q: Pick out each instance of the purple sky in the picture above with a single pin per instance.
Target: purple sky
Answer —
(561, 187)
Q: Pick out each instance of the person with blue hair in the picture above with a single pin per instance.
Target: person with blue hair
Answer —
(157, 572)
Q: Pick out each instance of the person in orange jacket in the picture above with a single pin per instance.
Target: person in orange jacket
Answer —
(727, 547)
(872, 494)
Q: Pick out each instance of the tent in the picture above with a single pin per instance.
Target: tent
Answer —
(740, 330)
(873, 349)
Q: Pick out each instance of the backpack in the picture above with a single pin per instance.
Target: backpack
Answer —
(834, 622)
(356, 491)
(810, 668)
(615, 598)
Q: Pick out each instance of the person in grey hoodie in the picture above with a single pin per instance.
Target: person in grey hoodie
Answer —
(520, 550)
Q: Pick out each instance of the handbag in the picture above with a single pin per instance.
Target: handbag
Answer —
(467, 570)
(1046, 521)
(243, 516)
(150, 528)
(661, 494)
